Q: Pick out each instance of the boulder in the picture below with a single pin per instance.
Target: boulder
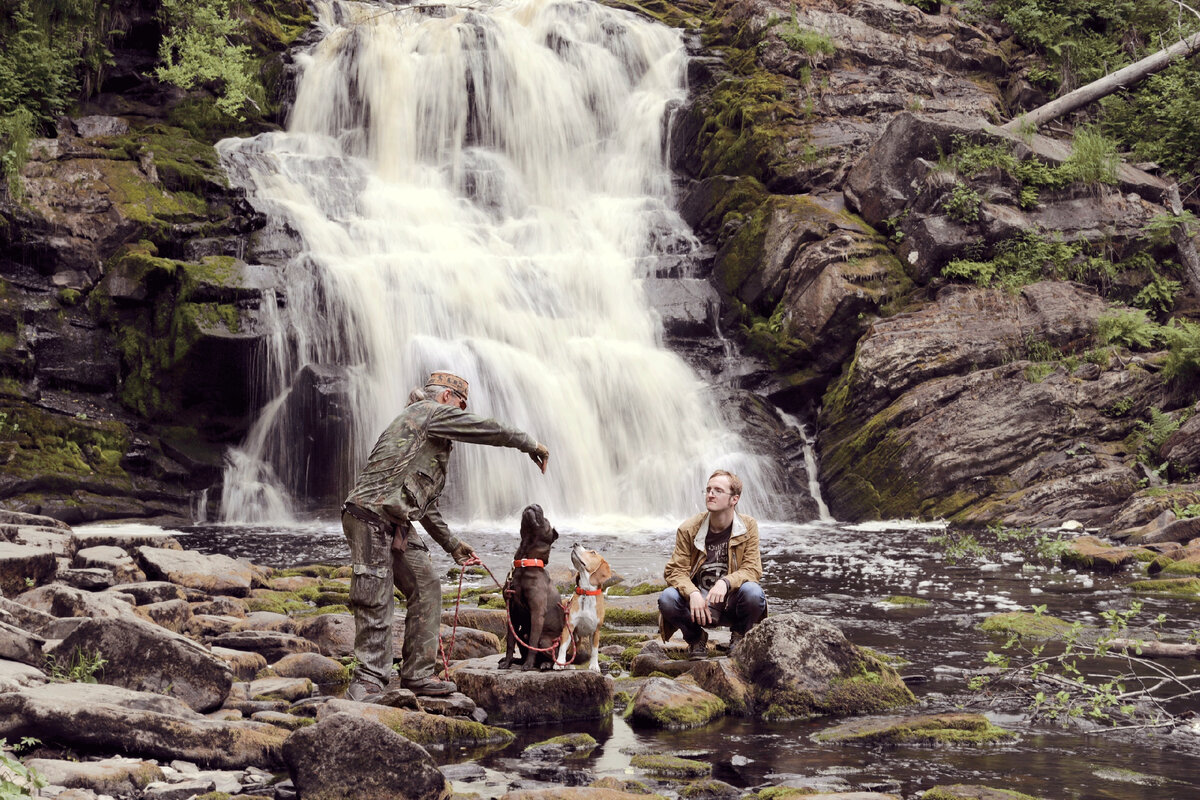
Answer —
(17, 644)
(492, 620)
(572, 793)
(145, 657)
(1182, 448)
(22, 567)
(427, 730)
(92, 579)
(288, 689)
(518, 697)
(266, 621)
(207, 626)
(801, 666)
(174, 615)
(1088, 552)
(469, 643)
(344, 757)
(333, 634)
(272, 645)
(112, 558)
(35, 620)
(214, 574)
(44, 537)
(653, 658)
(147, 592)
(245, 666)
(970, 791)
(221, 605)
(1181, 530)
(15, 675)
(720, 677)
(314, 666)
(127, 538)
(94, 716)
(114, 776)
(59, 600)
(664, 703)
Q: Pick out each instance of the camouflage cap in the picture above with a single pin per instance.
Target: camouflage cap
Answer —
(450, 381)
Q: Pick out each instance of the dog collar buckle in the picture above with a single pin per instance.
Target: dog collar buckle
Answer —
(528, 562)
(588, 592)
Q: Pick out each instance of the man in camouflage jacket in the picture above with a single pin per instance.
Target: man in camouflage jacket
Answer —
(400, 484)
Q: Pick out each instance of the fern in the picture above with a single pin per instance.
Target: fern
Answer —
(1128, 328)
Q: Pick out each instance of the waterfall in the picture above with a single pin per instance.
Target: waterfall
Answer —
(483, 190)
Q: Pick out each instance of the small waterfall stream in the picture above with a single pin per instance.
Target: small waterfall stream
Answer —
(482, 190)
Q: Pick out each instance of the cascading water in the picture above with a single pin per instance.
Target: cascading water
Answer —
(482, 191)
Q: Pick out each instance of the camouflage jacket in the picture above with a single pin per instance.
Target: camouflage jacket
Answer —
(406, 471)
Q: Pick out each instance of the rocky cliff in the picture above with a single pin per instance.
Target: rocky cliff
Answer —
(944, 299)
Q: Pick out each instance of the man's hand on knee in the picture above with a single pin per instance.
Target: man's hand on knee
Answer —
(699, 609)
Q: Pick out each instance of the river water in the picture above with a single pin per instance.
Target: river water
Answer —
(844, 573)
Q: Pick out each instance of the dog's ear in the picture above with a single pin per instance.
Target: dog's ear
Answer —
(601, 574)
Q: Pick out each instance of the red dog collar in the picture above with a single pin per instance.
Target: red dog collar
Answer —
(528, 562)
(589, 592)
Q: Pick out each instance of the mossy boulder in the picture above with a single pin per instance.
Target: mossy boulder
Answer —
(1088, 552)
(428, 730)
(664, 703)
(569, 745)
(800, 666)
(667, 766)
(1025, 625)
(928, 729)
(961, 791)
(1175, 587)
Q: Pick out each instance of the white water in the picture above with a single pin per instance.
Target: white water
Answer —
(482, 190)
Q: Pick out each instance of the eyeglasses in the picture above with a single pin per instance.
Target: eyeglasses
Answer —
(462, 401)
(715, 490)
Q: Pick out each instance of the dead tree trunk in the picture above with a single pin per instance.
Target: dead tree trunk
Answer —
(1154, 649)
(1106, 85)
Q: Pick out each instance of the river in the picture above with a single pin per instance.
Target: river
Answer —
(845, 573)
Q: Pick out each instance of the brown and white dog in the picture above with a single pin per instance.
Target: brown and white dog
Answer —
(585, 614)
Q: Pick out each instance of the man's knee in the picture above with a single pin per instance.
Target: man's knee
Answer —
(751, 594)
(669, 600)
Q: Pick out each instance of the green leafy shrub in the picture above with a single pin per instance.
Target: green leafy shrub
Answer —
(1094, 158)
(962, 204)
(1158, 295)
(17, 780)
(1182, 366)
(1128, 328)
(199, 49)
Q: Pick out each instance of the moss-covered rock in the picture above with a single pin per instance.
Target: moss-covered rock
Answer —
(959, 791)
(569, 745)
(935, 729)
(666, 766)
(1090, 553)
(1025, 624)
(664, 703)
(1176, 587)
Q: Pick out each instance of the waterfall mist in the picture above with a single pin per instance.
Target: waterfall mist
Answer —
(482, 190)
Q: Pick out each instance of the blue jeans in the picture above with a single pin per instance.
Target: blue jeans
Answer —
(743, 609)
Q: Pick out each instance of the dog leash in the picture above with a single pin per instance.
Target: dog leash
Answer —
(476, 561)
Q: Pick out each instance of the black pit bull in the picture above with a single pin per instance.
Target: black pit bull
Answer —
(534, 609)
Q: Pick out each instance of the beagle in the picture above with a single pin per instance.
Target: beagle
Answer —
(585, 613)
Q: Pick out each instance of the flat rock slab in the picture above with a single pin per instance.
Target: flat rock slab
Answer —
(146, 592)
(127, 537)
(95, 716)
(245, 665)
(146, 657)
(60, 600)
(22, 566)
(927, 729)
(214, 574)
(1181, 530)
(345, 756)
(18, 644)
(964, 791)
(517, 697)
(271, 644)
(571, 793)
(333, 634)
(112, 558)
(314, 666)
(289, 689)
(15, 676)
(664, 703)
(115, 776)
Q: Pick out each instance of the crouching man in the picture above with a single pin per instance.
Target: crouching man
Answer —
(712, 577)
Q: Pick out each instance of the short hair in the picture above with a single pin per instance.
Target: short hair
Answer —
(735, 483)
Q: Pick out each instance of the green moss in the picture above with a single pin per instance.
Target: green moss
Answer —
(276, 602)
(641, 589)
(59, 451)
(491, 601)
(782, 792)
(447, 731)
(1184, 568)
(627, 785)
(1025, 625)
(670, 766)
(630, 616)
(1176, 587)
(965, 792)
(572, 743)
(609, 636)
(313, 612)
(308, 571)
(904, 600)
(972, 729)
(69, 297)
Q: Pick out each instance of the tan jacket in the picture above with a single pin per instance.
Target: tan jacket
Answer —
(745, 563)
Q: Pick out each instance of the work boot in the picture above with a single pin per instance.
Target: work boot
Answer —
(363, 691)
(698, 650)
(429, 687)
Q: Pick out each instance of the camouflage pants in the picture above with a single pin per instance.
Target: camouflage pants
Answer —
(376, 567)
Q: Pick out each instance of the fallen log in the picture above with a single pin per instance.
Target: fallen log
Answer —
(1154, 649)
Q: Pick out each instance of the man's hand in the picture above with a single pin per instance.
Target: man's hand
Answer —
(716, 595)
(541, 456)
(462, 554)
(700, 613)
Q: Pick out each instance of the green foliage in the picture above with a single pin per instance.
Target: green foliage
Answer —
(958, 546)
(1182, 366)
(1020, 260)
(1158, 295)
(1160, 227)
(199, 49)
(809, 42)
(1157, 120)
(962, 204)
(1190, 511)
(1094, 158)
(928, 6)
(81, 667)
(1151, 433)
(17, 780)
(1128, 328)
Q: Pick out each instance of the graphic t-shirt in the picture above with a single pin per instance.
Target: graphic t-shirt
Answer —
(716, 553)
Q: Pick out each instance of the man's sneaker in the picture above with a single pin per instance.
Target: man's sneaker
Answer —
(698, 650)
(363, 691)
(429, 687)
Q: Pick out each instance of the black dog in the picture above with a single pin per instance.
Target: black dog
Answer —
(534, 609)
